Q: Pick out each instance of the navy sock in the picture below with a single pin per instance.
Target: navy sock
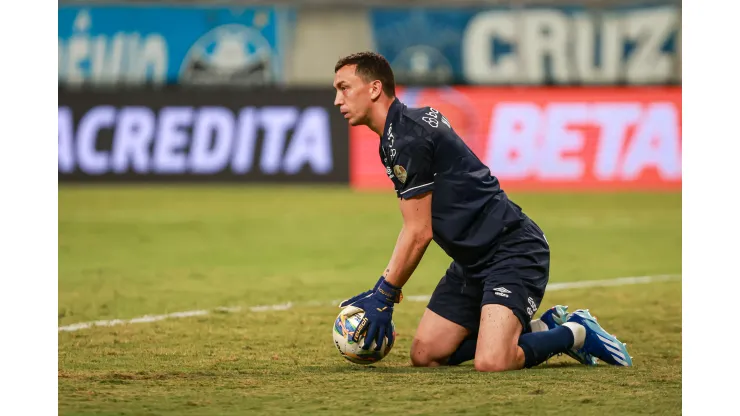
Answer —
(539, 346)
(465, 352)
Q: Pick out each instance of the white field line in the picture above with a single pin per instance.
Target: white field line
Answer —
(621, 281)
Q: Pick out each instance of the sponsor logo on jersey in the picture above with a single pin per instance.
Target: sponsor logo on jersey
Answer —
(400, 173)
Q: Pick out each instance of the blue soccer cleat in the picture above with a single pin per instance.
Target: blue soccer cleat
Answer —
(600, 343)
(557, 316)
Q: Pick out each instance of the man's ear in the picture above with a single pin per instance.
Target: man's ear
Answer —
(376, 88)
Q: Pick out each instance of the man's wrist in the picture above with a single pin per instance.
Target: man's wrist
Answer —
(391, 292)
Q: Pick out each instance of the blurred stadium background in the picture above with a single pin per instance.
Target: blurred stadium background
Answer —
(203, 170)
(520, 70)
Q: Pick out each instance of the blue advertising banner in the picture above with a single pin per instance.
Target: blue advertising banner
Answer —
(171, 45)
(550, 46)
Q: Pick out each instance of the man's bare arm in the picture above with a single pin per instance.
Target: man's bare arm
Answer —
(413, 240)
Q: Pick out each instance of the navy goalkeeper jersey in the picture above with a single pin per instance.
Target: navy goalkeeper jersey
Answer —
(421, 153)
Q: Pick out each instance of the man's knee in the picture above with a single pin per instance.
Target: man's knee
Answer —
(500, 331)
(423, 354)
(500, 361)
(491, 365)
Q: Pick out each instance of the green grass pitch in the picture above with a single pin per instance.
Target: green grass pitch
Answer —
(126, 252)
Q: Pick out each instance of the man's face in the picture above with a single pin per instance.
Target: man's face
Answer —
(353, 95)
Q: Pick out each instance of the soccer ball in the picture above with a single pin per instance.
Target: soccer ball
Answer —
(344, 328)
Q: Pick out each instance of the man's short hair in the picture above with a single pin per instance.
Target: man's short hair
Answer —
(371, 66)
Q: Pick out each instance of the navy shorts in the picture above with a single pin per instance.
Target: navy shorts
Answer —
(516, 277)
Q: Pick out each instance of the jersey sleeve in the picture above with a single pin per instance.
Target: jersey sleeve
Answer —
(413, 169)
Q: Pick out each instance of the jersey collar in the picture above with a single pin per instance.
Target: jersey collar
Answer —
(394, 114)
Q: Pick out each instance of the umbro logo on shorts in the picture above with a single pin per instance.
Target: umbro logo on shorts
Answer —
(502, 291)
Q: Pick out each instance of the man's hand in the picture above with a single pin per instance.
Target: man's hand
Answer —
(378, 307)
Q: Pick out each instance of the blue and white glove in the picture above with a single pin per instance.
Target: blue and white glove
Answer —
(378, 307)
(355, 298)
